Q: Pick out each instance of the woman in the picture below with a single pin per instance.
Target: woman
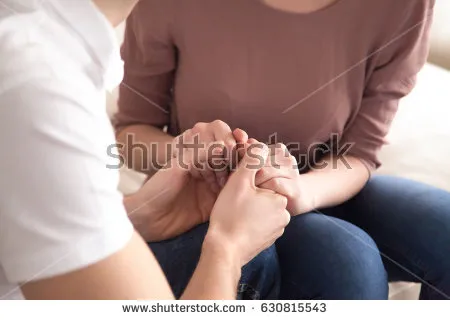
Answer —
(323, 77)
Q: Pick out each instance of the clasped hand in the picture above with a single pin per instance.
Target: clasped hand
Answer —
(247, 207)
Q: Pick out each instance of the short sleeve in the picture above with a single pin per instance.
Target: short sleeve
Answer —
(150, 58)
(60, 209)
(394, 76)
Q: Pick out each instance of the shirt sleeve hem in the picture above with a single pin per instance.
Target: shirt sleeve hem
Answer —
(371, 166)
(62, 260)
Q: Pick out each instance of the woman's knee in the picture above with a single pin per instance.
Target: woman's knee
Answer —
(406, 214)
(328, 258)
(260, 278)
(394, 193)
(179, 257)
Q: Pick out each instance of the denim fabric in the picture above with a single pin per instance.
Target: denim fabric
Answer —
(178, 258)
(393, 230)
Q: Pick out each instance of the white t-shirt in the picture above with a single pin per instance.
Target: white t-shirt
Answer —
(60, 209)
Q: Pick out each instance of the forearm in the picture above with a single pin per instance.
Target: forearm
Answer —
(218, 270)
(137, 213)
(131, 273)
(335, 182)
(216, 276)
(145, 148)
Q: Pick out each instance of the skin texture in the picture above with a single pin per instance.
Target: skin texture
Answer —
(112, 278)
(319, 188)
(116, 11)
(232, 240)
(305, 6)
(333, 183)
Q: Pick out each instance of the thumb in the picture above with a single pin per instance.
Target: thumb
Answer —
(240, 135)
(253, 160)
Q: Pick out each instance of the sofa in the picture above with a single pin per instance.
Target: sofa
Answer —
(419, 142)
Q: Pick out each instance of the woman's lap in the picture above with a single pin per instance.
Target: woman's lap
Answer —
(327, 258)
(410, 223)
(335, 255)
(178, 258)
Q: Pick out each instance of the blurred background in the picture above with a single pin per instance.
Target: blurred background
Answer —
(440, 36)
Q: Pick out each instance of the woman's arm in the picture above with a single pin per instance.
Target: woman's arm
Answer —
(334, 184)
(144, 148)
(216, 276)
(333, 181)
(393, 76)
(145, 95)
(392, 79)
(232, 239)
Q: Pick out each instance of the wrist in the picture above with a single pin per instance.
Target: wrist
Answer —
(216, 247)
(135, 203)
(130, 202)
(139, 213)
(307, 199)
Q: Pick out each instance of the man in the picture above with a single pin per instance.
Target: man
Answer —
(63, 223)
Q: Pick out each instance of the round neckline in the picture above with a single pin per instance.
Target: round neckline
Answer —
(326, 9)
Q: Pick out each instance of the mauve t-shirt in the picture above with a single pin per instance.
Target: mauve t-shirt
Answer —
(319, 82)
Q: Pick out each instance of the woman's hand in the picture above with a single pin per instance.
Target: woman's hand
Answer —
(247, 219)
(280, 174)
(201, 139)
(173, 202)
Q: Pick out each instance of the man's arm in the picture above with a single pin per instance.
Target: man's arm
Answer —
(145, 95)
(134, 274)
(219, 268)
(64, 231)
(144, 148)
(233, 238)
(216, 276)
(130, 274)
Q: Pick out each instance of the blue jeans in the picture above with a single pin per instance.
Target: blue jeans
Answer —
(178, 258)
(393, 230)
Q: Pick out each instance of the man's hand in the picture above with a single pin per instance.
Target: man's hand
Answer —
(180, 196)
(246, 219)
(281, 175)
(200, 139)
(171, 202)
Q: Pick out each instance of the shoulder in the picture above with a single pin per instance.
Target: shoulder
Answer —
(54, 133)
(34, 50)
(38, 73)
(401, 10)
(393, 27)
(387, 13)
(154, 12)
